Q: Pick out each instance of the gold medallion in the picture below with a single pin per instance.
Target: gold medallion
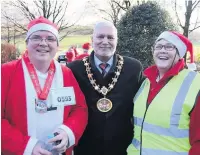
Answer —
(104, 105)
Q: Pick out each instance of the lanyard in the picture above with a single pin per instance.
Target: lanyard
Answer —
(42, 94)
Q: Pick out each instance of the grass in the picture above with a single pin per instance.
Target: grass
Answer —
(74, 40)
(63, 45)
(196, 48)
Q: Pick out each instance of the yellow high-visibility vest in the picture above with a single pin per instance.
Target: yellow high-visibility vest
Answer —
(162, 128)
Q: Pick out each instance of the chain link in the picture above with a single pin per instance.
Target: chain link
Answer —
(104, 90)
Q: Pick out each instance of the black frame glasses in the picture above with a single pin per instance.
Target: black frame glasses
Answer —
(167, 47)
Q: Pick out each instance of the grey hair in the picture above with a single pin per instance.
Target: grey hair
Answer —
(104, 23)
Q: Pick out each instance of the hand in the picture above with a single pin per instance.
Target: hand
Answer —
(37, 150)
(62, 135)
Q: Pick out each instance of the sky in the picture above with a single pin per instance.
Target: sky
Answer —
(90, 15)
(85, 14)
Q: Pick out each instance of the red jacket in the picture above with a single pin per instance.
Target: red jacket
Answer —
(194, 129)
(14, 132)
(70, 56)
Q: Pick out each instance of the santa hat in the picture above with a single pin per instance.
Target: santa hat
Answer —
(70, 56)
(182, 43)
(86, 46)
(44, 24)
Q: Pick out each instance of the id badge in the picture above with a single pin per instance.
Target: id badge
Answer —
(40, 106)
(62, 96)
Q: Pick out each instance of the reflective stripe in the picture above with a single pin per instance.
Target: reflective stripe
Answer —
(173, 131)
(136, 143)
(180, 98)
(161, 152)
(146, 151)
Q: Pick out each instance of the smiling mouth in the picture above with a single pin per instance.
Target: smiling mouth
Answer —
(105, 47)
(163, 58)
(42, 51)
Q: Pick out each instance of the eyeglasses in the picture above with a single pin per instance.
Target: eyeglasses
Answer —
(166, 47)
(38, 39)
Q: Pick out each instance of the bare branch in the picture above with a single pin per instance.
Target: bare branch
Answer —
(24, 8)
(195, 25)
(66, 34)
(66, 26)
(54, 10)
(49, 10)
(13, 21)
(38, 7)
(195, 5)
(63, 15)
(58, 11)
(123, 8)
(194, 29)
(106, 12)
(178, 19)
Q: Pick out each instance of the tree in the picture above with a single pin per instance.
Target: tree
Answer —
(114, 9)
(110, 13)
(55, 10)
(190, 7)
(138, 29)
(8, 29)
(186, 26)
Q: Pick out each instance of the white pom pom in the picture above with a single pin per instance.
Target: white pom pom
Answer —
(192, 66)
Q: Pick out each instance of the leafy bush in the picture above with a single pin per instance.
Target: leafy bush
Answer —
(138, 29)
(8, 53)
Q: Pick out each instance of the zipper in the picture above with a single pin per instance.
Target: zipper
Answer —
(142, 129)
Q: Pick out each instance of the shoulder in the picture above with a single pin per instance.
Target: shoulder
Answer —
(65, 69)
(75, 64)
(10, 65)
(193, 73)
(81, 56)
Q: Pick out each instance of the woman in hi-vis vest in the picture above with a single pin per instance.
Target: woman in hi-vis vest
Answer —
(167, 105)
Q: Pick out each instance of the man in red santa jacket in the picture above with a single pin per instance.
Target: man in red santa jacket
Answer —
(40, 97)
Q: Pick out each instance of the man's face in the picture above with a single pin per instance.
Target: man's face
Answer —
(104, 41)
(165, 57)
(42, 46)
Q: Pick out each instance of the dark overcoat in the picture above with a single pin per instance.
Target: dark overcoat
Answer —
(108, 133)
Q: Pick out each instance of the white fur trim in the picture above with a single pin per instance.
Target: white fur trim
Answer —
(38, 125)
(69, 133)
(192, 66)
(175, 40)
(42, 26)
(30, 100)
(30, 145)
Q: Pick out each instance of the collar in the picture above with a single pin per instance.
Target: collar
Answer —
(98, 62)
(152, 72)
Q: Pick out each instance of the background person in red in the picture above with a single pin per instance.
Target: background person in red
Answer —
(40, 97)
(167, 107)
(86, 47)
(71, 54)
